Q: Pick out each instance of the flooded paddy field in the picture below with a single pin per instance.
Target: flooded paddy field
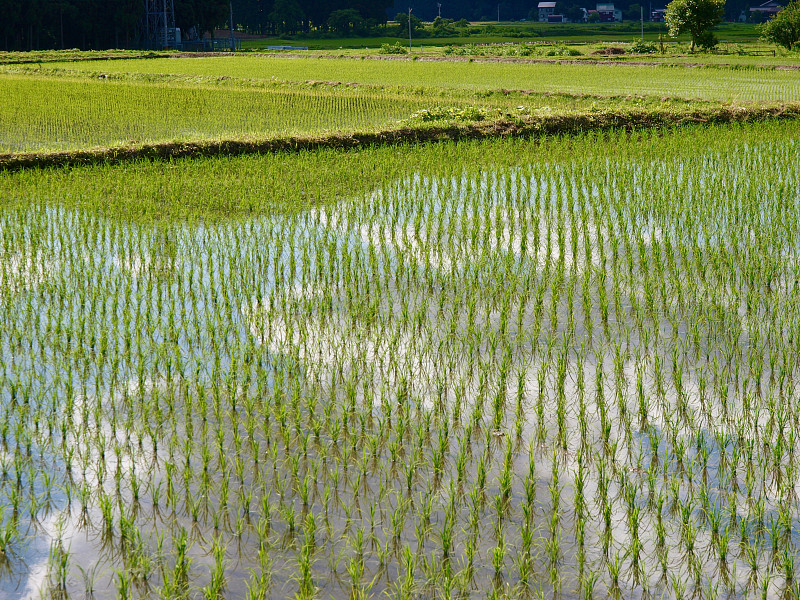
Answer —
(501, 369)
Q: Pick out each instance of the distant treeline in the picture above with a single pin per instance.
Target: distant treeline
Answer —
(94, 24)
(102, 24)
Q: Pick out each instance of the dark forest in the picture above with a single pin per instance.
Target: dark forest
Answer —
(102, 24)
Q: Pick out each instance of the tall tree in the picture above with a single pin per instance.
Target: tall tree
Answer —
(9, 32)
(697, 18)
(211, 14)
(287, 16)
(784, 28)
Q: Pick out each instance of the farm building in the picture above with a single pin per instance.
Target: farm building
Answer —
(765, 10)
(545, 10)
(609, 14)
(657, 16)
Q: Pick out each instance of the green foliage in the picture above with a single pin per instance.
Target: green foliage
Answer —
(443, 27)
(205, 14)
(784, 28)
(561, 50)
(697, 18)
(346, 21)
(493, 50)
(634, 12)
(451, 113)
(287, 15)
(402, 24)
(640, 46)
(396, 48)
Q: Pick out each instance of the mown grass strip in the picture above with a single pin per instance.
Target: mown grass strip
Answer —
(564, 124)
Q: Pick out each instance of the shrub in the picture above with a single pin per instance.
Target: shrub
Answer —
(640, 46)
(562, 50)
(610, 51)
(396, 48)
(450, 113)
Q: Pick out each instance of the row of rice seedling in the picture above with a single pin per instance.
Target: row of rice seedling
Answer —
(567, 372)
(719, 83)
(130, 109)
(102, 113)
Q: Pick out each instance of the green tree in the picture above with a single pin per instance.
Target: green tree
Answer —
(784, 28)
(402, 23)
(206, 15)
(570, 10)
(443, 26)
(346, 20)
(697, 18)
(287, 16)
(633, 13)
(125, 17)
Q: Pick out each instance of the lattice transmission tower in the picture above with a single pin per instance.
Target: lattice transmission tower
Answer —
(160, 23)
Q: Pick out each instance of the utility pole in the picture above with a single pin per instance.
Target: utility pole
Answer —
(166, 35)
(233, 40)
(439, 6)
(641, 15)
(409, 28)
(498, 13)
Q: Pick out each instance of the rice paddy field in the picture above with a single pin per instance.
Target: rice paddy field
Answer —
(133, 108)
(549, 367)
(709, 83)
(93, 113)
(108, 103)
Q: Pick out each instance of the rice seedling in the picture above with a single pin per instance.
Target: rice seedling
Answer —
(493, 368)
(718, 83)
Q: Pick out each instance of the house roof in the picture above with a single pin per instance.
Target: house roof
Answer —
(605, 7)
(547, 5)
(770, 6)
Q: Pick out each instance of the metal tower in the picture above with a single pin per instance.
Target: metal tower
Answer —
(160, 23)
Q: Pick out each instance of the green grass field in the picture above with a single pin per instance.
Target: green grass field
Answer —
(550, 366)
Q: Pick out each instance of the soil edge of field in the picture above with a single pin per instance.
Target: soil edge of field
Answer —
(548, 125)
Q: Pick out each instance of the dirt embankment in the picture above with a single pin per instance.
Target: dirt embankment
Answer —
(529, 127)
